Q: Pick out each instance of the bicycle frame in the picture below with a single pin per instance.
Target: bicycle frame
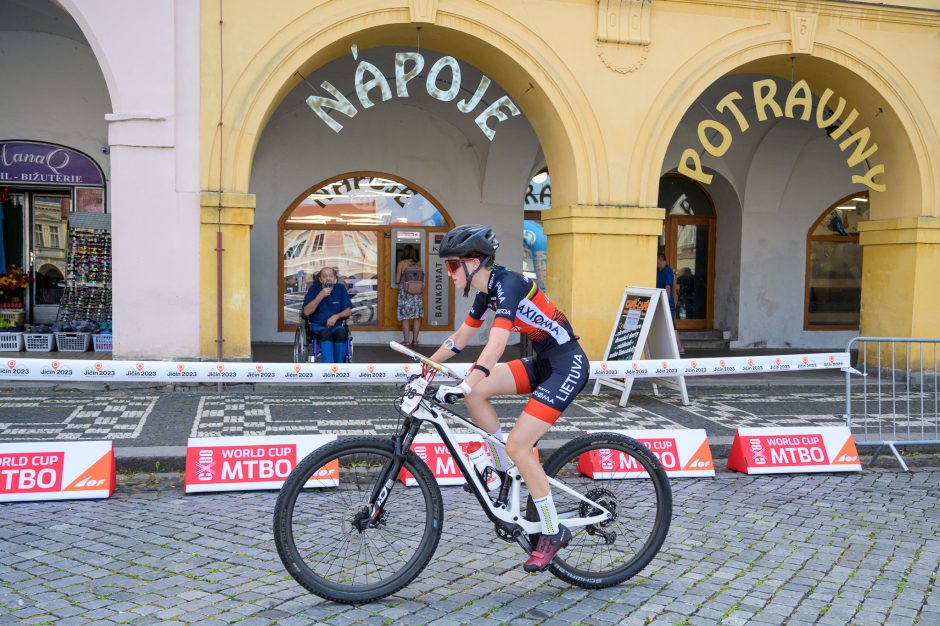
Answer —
(507, 516)
(511, 513)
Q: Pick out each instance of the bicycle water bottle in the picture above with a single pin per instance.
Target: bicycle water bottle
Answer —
(481, 462)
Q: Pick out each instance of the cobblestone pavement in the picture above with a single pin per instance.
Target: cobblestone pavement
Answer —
(830, 549)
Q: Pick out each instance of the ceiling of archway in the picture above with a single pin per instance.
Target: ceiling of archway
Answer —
(39, 16)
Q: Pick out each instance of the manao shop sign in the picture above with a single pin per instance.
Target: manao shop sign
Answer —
(370, 78)
(798, 103)
(39, 163)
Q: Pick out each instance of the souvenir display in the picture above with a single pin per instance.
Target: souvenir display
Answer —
(88, 280)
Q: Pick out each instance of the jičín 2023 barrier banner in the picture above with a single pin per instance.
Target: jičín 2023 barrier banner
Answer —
(357, 373)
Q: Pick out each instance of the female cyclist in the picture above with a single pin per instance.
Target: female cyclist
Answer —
(557, 373)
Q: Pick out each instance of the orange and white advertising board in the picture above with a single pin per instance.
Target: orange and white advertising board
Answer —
(682, 453)
(54, 470)
(248, 463)
(794, 450)
(432, 451)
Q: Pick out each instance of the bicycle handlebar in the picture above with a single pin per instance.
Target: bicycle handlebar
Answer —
(440, 367)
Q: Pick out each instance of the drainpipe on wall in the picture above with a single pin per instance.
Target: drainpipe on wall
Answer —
(219, 340)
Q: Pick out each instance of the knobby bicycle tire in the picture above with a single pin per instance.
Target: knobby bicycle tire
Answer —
(659, 483)
(292, 489)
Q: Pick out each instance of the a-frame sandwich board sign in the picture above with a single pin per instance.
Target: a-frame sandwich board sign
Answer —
(643, 329)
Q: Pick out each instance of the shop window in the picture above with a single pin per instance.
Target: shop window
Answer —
(347, 223)
(834, 266)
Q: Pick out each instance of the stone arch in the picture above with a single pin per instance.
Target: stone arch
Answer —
(904, 135)
(75, 12)
(523, 64)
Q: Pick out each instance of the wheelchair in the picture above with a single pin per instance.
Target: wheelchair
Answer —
(306, 343)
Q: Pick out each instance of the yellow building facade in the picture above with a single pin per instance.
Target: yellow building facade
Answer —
(604, 86)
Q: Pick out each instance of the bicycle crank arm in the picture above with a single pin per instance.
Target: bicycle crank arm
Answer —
(522, 539)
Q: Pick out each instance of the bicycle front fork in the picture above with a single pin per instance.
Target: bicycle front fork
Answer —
(371, 515)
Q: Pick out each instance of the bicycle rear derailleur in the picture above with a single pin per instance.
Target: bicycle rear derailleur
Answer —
(606, 499)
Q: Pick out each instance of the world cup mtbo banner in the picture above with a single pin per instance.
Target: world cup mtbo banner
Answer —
(432, 450)
(286, 373)
(249, 463)
(49, 470)
(794, 450)
(681, 452)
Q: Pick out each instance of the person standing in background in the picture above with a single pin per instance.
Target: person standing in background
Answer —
(666, 279)
(409, 276)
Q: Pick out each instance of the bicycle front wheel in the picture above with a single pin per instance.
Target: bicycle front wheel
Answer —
(323, 533)
(628, 481)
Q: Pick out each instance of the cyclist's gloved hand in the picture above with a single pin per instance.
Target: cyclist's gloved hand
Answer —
(413, 392)
(450, 394)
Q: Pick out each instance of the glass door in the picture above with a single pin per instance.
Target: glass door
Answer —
(692, 259)
(688, 241)
(49, 215)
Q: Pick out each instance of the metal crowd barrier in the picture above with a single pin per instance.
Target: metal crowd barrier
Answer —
(896, 401)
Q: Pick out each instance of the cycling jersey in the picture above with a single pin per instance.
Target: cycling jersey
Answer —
(559, 371)
(523, 308)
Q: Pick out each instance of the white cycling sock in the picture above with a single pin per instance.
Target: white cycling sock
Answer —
(547, 514)
(500, 458)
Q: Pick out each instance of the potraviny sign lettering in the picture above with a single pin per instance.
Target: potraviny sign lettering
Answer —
(247, 463)
(408, 66)
(799, 98)
(26, 162)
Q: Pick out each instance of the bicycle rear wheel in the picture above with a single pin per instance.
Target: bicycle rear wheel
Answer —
(637, 492)
(323, 534)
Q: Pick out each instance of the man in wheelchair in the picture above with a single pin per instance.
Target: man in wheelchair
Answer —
(325, 307)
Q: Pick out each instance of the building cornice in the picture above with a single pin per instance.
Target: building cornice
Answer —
(850, 9)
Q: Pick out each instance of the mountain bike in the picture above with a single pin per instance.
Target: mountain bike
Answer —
(362, 535)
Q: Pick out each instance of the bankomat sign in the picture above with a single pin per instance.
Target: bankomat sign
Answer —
(438, 285)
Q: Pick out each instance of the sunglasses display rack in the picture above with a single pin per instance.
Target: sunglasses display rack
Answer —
(88, 279)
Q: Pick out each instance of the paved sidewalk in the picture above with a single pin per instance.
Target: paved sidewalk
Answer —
(149, 425)
(830, 549)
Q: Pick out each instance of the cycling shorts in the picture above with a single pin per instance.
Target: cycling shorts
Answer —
(554, 380)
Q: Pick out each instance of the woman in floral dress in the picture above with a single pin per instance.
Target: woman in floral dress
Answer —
(410, 306)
